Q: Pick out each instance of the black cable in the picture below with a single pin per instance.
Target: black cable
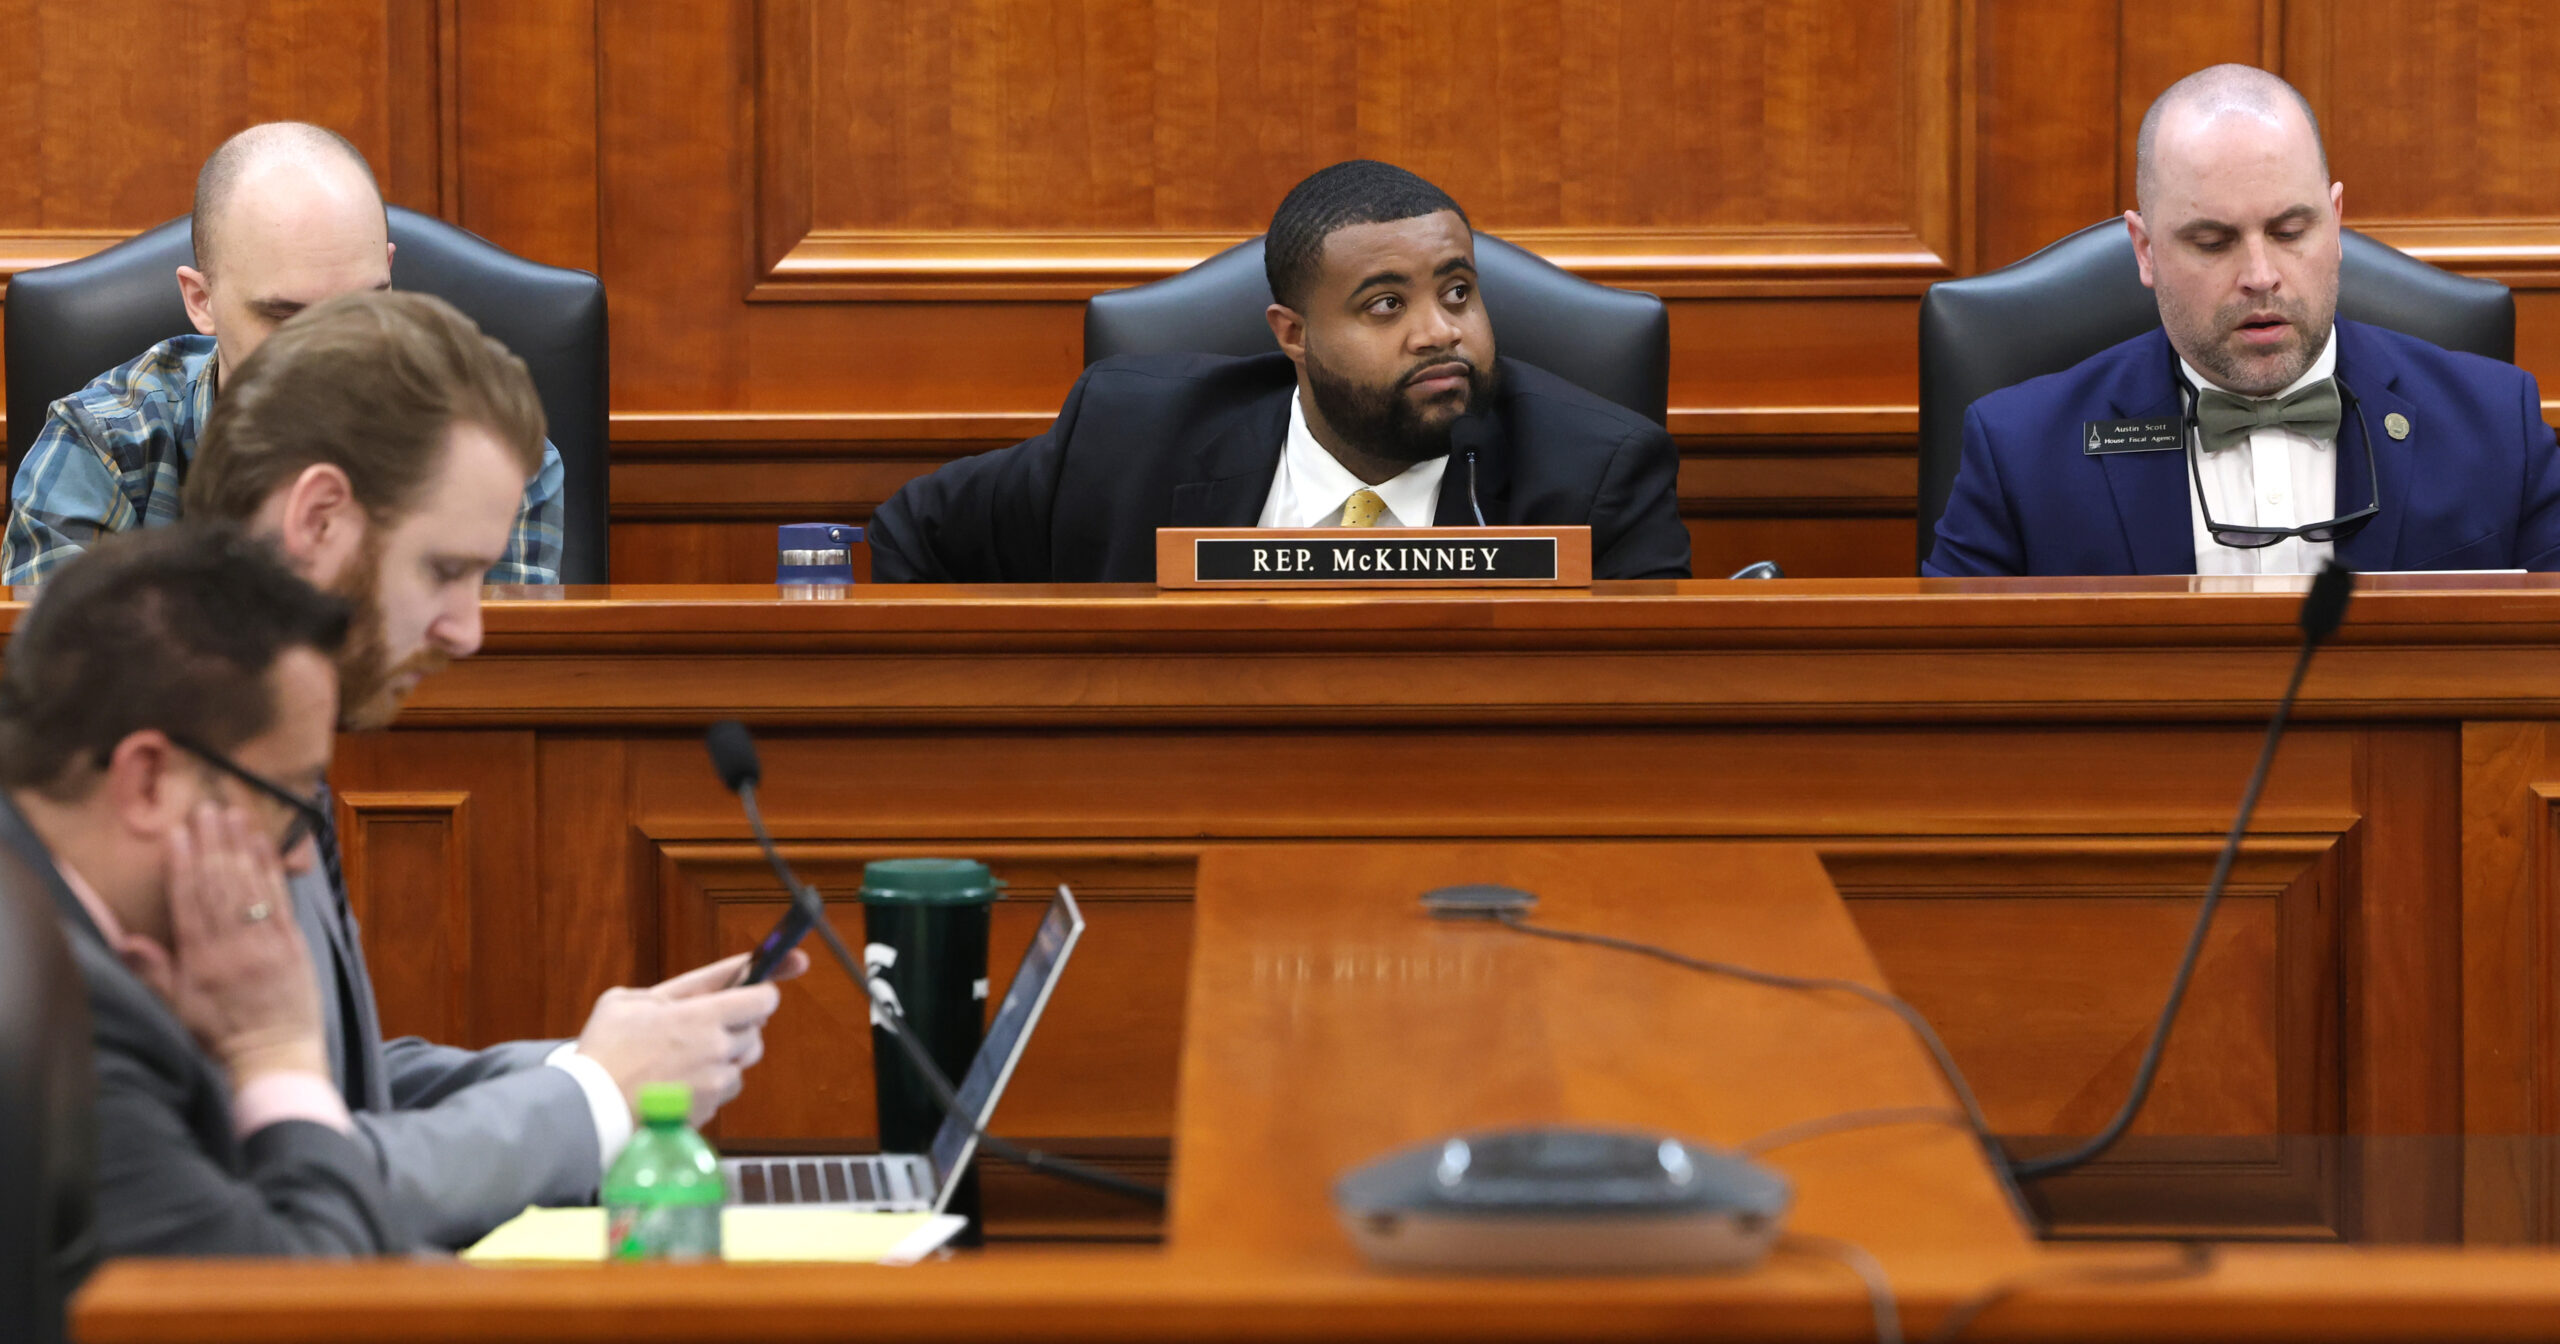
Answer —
(917, 1056)
(2038, 1168)
(1974, 1119)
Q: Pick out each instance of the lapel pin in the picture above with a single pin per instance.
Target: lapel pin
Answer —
(2396, 425)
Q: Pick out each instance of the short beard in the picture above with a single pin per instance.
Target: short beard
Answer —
(366, 677)
(1382, 421)
(2207, 343)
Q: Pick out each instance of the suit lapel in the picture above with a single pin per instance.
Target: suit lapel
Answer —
(2153, 503)
(1230, 474)
(2375, 382)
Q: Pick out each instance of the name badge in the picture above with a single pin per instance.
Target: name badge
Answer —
(2100, 437)
(1377, 555)
(1380, 557)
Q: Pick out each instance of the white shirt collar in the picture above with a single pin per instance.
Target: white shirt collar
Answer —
(2326, 366)
(1312, 484)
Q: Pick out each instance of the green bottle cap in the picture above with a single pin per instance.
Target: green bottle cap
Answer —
(665, 1103)
(928, 882)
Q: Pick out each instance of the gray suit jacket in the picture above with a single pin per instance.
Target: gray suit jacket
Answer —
(464, 1138)
(173, 1179)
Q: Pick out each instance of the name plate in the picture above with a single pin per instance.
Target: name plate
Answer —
(1382, 557)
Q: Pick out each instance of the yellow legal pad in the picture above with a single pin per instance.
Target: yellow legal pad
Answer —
(751, 1233)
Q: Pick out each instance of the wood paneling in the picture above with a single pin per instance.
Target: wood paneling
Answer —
(440, 827)
(931, 188)
(1019, 151)
(2017, 787)
(109, 109)
(406, 857)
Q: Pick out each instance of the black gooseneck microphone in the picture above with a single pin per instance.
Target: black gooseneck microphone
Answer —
(1469, 435)
(733, 754)
(2322, 612)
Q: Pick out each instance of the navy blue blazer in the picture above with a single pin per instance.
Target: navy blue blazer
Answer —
(2476, 485)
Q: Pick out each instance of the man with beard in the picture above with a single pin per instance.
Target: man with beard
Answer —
(2255, 433)
(1384, 343)
(382, 443)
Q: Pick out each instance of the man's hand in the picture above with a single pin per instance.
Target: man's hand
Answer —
(238, 974)
(700, 1029)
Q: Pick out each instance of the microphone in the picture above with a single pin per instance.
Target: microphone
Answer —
(1469, 435)
(733, 754)
(2323, 610)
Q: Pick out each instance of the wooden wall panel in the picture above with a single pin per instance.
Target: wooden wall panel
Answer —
(109, 109)
(439, 837)
(1033, 150)
(877, 219)
(1995, 876)
(407, 859)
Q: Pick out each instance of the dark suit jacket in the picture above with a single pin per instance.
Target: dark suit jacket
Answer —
(172, 1177)
(1150, 441)
(2475, 485)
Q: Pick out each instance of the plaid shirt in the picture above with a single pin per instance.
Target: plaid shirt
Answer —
(114, 454)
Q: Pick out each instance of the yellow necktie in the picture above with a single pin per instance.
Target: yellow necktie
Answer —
(1362, 509)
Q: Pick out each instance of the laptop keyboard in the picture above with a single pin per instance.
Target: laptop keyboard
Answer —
(821, 1180)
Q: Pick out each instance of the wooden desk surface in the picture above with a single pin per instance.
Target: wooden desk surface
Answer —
(2018, 787)
(1331, 1019)
(2284, 1295)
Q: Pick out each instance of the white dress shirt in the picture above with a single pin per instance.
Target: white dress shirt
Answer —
(1312, 485)
(2279, 478)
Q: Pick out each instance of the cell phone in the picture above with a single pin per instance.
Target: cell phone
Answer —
(787, 933)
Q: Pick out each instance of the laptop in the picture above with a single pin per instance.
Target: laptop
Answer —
(924, 1182)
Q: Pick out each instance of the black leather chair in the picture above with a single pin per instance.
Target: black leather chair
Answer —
(1613, 342)
(67, 324)
(48, 1155)
(2080, 295)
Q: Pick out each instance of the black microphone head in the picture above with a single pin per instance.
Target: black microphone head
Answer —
(1470, 434)
(2325, 609)
(733, 754)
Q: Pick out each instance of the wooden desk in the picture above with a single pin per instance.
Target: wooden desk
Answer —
(2018, 786)
(1331, 1019)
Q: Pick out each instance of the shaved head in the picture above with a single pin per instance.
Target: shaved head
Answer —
(2211, 93)
(293, 146)
(287, 215)
(2238, 233)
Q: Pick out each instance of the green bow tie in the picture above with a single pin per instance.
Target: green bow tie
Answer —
(2227, 419)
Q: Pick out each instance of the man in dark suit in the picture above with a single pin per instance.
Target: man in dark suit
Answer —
(165, 712)
(1384, 344)
(2255, 433)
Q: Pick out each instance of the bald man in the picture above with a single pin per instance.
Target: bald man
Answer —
(2254, 432)
(286, 215)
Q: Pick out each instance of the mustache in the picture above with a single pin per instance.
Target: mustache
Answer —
(2231, 316)
(425, 662)
(1414, 375)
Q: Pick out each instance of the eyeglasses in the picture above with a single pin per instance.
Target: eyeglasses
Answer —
(2244, 538)
(308, 819)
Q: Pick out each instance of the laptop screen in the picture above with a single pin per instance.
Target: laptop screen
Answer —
(1007, 1034)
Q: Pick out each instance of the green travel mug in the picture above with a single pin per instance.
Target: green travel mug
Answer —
(928, 918)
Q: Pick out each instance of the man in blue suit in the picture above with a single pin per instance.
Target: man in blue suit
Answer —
(2254, 433)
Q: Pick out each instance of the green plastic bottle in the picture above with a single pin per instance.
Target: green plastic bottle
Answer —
(662, 1198)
